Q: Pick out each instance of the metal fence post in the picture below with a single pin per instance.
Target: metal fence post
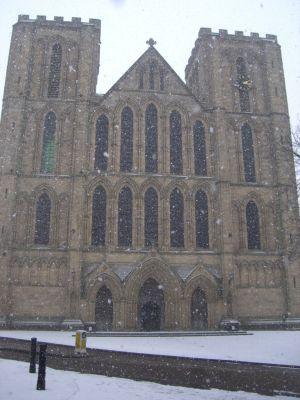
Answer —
(41, 382)
(32, 366)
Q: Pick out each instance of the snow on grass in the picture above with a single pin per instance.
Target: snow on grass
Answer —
(17, 384)
(278, 347)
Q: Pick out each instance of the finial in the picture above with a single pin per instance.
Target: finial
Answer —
(151, 42)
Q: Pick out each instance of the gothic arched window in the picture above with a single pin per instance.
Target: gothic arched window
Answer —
(126, 158)
(248, 154)
(199, 149)
(99, 217)
(141, 78)
(176, 219)
(161, 80)
(151, 139)
(42, 219)
(253, 226)
(242, 80)
(48, 150)
(151, 218)
(101, 143)
(54, 71)
(175, 143)
(152, 76)
(125, 218)
(201, 217)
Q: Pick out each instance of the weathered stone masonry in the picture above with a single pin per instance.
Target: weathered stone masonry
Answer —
(218, 237)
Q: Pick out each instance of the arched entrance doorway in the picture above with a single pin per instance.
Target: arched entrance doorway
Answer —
(199, 314)
(104, 309)
(151, 306)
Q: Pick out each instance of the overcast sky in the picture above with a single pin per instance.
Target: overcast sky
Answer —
(174, 24)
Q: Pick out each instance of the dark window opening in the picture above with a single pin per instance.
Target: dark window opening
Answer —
(141, 79)
(162, 80)
(253, 226)
(48, 151)
(151, 139)
(199, 149)
(151, 218)
(242, 80)
(126, 161)
(176, 219)
(175, 143)
(125, 218)
(248, 154)
(152, 76)
(101, 144)
(54, 73)
(201, 217)
(42, 220)
(99, 217)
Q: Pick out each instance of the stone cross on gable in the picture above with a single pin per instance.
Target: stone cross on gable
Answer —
(151, 42)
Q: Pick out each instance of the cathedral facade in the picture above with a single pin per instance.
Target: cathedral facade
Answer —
(160, 205)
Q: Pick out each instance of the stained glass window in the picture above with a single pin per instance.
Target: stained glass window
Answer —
(54, 72)
(176, 219)
(151, 218)
(126, 160)
(48, 150)
(175, 143)
(42, 219)
(151, 139)
(253, 226)
(99, 217)
(101, 144)
(125, 218)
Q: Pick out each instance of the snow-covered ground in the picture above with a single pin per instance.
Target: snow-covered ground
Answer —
(17, 384)
(278, 347)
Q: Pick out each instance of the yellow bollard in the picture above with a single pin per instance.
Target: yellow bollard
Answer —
(80, 342)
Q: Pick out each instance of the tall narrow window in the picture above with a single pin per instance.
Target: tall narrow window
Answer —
(151, 139)
(101, 143)
(201, 218)
(54, 72)
(176, 219)
(151, 218)
(151, 76)
(99, 217)
(199, 149)
(126, 161)
(242, 81)
(48, 150)
(125, 218)
(175, 143)
(141, 79)
(248, 154)
(161, 80)
(42, 219)
(253, 228)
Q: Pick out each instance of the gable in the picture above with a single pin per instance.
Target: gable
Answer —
(151, 73)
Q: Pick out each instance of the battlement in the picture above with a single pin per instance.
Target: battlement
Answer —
(75, 21)
(223, 33)
(206, 33)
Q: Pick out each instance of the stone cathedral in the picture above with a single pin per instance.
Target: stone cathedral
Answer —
(159, 205)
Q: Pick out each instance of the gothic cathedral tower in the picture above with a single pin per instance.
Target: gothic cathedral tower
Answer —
(51, 77)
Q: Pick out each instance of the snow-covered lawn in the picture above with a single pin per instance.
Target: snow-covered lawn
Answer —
(278, 347)
(17, 384)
